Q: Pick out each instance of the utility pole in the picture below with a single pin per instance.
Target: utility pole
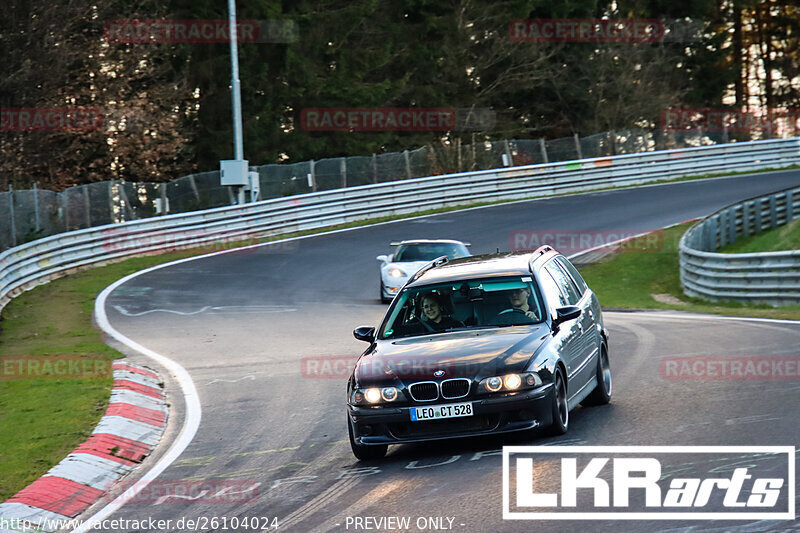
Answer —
(235, 172)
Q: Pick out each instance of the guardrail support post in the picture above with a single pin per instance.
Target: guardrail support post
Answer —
(408, 164)
(773, 212)
(578, 146)
(374, 168)
(543, 148)
(723, 235)
(732, 225)
(758, 205)
(746, 219)
(710, 240)
(343, 171)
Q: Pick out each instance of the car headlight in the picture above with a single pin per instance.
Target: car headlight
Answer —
(375, 395)
(510, 382)
(494, 384)
(372, 395)
(389, 394)
(396, 273)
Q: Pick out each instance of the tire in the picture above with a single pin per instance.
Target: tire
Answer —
(365, 453)
(560, 406)
(601, 394)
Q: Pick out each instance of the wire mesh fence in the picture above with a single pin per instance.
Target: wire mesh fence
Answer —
(27, 215)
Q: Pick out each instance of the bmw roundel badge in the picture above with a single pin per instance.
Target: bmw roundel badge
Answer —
(439, 373)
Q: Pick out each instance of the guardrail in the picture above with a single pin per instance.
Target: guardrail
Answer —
(765, 277)
(31, 264)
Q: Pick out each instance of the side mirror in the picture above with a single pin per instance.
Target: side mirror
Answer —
(564, 314)
(364, 333)
(383, 259)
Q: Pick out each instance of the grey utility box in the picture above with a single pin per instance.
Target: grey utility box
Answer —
(233, 172)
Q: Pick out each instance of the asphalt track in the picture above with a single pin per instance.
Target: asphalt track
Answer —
(240, 324)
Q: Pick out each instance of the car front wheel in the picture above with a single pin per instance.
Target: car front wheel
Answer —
(560, 406)
(365, 453)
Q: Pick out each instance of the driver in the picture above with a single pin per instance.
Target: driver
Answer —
(432, 316)
(518, 298)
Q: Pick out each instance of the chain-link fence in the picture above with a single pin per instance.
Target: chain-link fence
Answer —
(30, 214)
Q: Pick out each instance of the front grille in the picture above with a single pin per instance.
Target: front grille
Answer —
(455, 388)
(425, 391)
(432, 428)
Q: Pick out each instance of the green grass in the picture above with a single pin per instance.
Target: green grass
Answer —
(779, 239)
(42, 420)
(629, 279)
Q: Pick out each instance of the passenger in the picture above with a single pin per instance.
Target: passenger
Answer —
(518, 298)
(432, 314)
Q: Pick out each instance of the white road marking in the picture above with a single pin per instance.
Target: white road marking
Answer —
(192, 401)
(246, 308)
(250, 377)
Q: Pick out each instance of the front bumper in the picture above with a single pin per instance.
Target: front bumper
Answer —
(391, 286)
(511, 412)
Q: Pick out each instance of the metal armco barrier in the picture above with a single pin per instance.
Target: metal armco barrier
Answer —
(31, 264)
(766, 277)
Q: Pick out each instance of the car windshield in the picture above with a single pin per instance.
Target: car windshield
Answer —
(429, 251)
(464, 305)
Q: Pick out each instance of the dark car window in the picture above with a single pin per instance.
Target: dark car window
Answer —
(429, 251)
(465, 304)
(576, 276)
(564, 282)
(551, 291)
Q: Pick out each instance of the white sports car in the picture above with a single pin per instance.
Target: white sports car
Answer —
(409, 257)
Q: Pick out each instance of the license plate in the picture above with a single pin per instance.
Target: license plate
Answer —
(437, 412)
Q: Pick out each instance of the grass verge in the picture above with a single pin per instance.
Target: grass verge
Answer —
(42, 420)
(650, 279)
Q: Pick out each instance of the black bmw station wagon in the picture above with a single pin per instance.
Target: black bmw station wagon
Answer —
(478, 345)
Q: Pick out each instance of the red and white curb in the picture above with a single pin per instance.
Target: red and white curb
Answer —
(127, 433)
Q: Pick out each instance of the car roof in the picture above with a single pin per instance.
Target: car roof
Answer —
(498, 265)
